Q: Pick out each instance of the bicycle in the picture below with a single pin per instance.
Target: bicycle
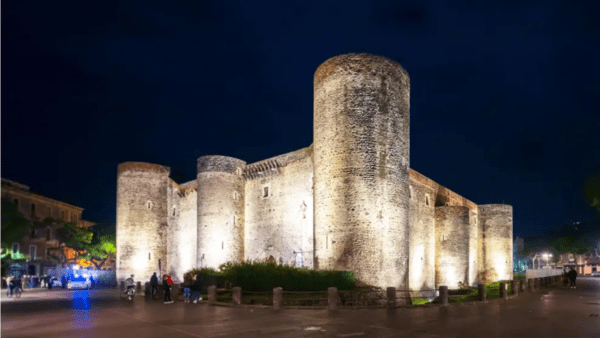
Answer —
(129, 293)
(17, 292)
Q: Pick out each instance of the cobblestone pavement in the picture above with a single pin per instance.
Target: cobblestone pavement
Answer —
(549, 312)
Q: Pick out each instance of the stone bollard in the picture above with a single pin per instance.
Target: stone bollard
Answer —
(277, 298)
(444, 294)
(236, 294)
(522, 284)
(530, 284)
(515, 286)
(147, 289)
(332, 298)
(122, 285)
(391, 297)
(536, 283)
(482, 296)
(175, 289)
(503, 291)
(138, 288)
(212, 294)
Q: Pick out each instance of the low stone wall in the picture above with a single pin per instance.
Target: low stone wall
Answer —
(543, 273)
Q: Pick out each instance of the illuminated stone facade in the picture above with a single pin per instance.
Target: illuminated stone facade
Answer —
(348, 202)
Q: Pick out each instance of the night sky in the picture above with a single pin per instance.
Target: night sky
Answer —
(504, 97)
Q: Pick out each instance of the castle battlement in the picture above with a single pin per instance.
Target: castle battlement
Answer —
(349, 201)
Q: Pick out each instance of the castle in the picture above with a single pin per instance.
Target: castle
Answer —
(348, 202)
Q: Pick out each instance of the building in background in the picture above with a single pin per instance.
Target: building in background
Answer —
(42, 245)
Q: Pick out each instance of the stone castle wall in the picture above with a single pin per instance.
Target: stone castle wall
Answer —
(183, 237)
(361, 161)
(452, 259)
(142, 221)
(220, 210)
(279, 211)
(497, 239)
(347, 202)
(422, 238)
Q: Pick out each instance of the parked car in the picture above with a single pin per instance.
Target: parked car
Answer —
(55, 282)
(79, 282)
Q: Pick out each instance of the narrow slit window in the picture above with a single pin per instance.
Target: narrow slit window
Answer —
(427, 200)
(326, 241)
(174, 211)
(149, 205)
(33, 208)
(266, 192)
(222, 245)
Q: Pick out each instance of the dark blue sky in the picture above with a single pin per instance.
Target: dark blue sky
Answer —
(504, 100)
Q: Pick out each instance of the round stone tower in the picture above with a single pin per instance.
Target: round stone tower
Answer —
(497, 240)
(142, 228)
(220, 210)
(361, 163)
(452, 244)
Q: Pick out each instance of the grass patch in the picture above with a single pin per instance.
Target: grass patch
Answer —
(419, 301)
(492, 291)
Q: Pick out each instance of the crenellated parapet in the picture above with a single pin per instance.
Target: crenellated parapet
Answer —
(262, 169)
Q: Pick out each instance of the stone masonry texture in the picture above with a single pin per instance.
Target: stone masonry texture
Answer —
(348, 202)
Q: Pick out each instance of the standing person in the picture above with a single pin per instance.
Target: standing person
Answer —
(187, 287)
(572, 277)
(9, 285)
(154, 284)
(167, 282)
(63, 281)
(196, 288)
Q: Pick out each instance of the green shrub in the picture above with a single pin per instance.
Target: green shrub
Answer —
(263, 276)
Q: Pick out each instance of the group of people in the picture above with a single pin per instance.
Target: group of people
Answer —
(192, 287)
(570, 277)
(30, 281)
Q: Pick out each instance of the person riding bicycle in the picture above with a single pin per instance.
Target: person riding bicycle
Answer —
(15, 284)
(129, 284)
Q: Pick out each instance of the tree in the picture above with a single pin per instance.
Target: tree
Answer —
(102, 247)
(592, 191)
(14, 225)
(74, 237)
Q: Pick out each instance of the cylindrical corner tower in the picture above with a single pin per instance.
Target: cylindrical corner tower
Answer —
(220, 210)
(142, 228)
(452, 243)
(361, 162)
(496, 241)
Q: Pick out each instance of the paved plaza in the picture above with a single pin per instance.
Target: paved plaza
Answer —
(549, 312)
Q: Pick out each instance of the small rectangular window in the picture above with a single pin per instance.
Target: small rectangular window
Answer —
(266, 192)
